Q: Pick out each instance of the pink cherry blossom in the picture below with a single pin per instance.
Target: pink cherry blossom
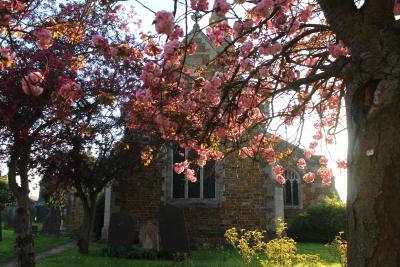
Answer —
(199, 5)
(164, 22)
(325, 174)
(308, 153)
(313, 145)
(280, 179)
(301, 163)
(341, 164)
(309, 177)
(99, 41)
(180, 167)
(269, 155)
(277, 169)
(246, 48)
(264, 8)
(337, 50)
(30, 83)
(43, 37)
(221, 7)
(306, 13)
(323, 160)
(177, 33)
(190, 175)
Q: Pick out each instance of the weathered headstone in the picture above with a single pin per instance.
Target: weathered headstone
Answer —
(148, 236)
(41, 213)
(52, 222)
(122, 231)
(173, 232)
(9, 215)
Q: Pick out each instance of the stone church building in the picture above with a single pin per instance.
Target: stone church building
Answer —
(231, 192)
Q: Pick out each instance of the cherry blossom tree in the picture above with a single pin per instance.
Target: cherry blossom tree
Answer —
(48, 54)
(92, 150)
(321, 57)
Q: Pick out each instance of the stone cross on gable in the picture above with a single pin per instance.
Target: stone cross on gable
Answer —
(196, 17)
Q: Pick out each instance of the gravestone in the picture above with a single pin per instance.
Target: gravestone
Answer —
(173, 232)
(122, 230)
(52, 222)
(41, 213)
(148, 236)
(9, 216)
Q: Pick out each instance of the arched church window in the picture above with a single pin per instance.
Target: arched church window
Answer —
(203, 188)
(291, 189)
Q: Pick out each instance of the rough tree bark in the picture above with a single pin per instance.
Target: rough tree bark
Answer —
(374, 178)
(89, 209)
(23, 229)
(373, 110)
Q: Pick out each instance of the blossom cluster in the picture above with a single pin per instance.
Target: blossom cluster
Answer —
(31, 83)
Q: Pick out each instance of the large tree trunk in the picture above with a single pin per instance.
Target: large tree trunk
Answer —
(23, 229)
(24, 237)
(374, 177)
(87, 226)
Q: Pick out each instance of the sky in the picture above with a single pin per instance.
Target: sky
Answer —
(333, 152)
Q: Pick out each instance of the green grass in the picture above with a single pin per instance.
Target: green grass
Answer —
(320, 249)
(200, 258)
(42, 243)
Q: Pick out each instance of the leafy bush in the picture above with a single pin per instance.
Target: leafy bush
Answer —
(248, 243)
(320, 222)
(280, 251)
(338, 248)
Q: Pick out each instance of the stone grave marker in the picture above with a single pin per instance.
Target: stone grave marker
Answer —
(173, 232)
(52, 222)
(9, 216)
(148, 236)
(41, 213)
(122, 230)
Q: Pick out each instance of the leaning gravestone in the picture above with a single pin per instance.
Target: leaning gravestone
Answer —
(148, 236)
(173, 233)
(122, 230)
(52, 222)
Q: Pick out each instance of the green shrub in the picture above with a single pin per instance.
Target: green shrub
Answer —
(99, 216)
(279, 252)
(338, 249)
(320, 222)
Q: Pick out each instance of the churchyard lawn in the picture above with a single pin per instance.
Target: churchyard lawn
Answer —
(42, 242)
(200, 258)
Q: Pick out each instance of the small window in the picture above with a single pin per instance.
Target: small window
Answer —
(203, 188)
(291, 189)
